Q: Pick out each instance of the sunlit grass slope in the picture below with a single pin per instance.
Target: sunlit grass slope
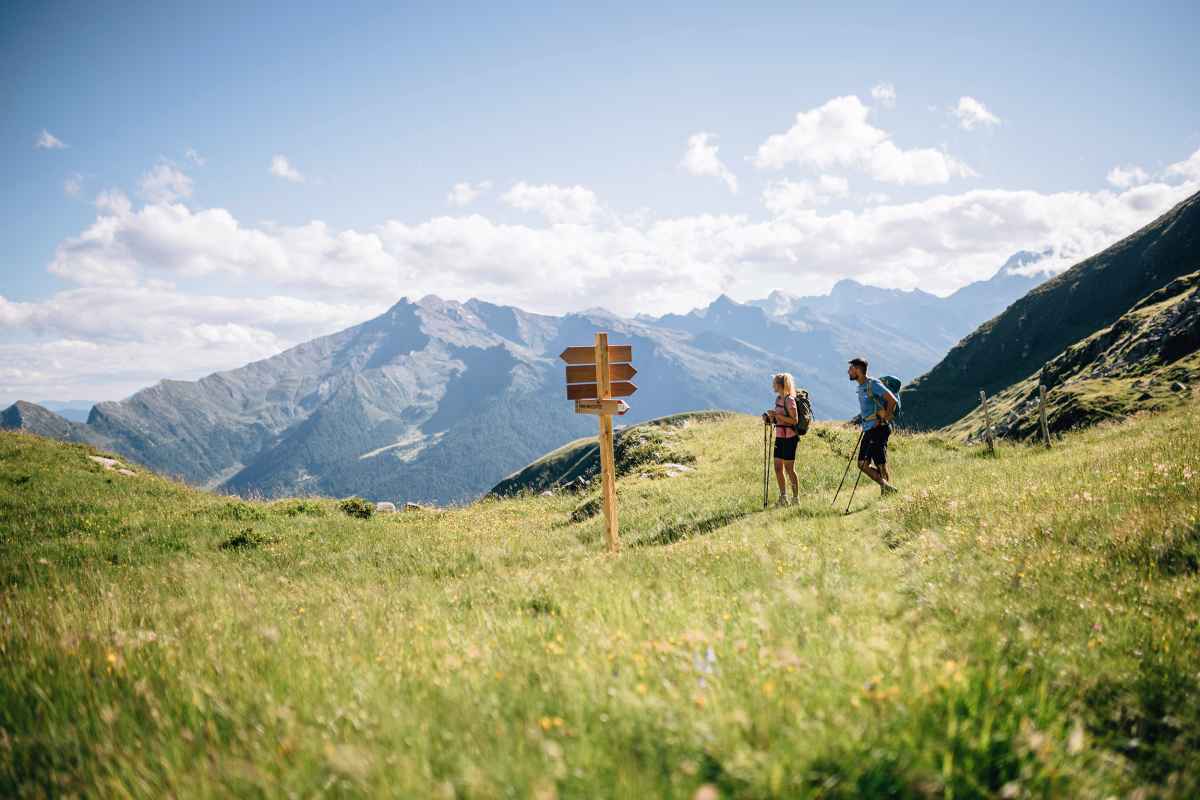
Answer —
(1019, 626)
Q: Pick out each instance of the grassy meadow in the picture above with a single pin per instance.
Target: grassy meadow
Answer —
(1020, 626)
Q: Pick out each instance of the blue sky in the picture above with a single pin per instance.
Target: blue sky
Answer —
(133, 241)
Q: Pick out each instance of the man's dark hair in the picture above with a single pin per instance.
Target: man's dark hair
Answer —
(860, 363)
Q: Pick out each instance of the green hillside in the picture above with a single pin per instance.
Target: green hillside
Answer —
(634, 447)
(1088, 297)
(1145, 361)
(1021, 626)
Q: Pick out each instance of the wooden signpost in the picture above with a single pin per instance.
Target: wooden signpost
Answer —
(596, 377)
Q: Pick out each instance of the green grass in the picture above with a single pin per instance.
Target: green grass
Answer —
(1024, 626)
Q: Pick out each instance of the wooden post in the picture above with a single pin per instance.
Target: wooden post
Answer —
(987, 418)
(1042, 415)
(607, 467)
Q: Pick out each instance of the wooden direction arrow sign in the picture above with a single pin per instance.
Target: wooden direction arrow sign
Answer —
(618, 407)
(587, 355)
(587, 373)
(591, 391)
(594, 382)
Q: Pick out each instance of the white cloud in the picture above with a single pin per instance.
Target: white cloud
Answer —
(972, 114)
(559, 204)
(650, 265)
(701, 159)
(165, 183)
(1189, 169)
(782, 197)
(282, 168)
(113, 201)
(464, 193)
(73, 185)
(161, 308)
(147, 334)
(838, 134)
(194, 157)
(884, 94)
(48, 141)
(143, 306)
(1125, 177)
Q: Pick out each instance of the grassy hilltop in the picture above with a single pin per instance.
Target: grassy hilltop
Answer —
(1025, 626)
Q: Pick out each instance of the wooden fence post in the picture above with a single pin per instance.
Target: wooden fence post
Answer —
(987, 418)
(1042, 415)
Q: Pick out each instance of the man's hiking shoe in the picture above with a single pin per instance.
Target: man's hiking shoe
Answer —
(887, 489)
(782, 502)
(795, 501)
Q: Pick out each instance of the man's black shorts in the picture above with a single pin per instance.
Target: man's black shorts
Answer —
(874, 445)
(786, 448)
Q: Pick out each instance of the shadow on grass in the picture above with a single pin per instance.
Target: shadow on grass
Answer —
(814, 512)
(687, 528)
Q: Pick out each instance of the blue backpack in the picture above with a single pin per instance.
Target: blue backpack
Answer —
(893, 385)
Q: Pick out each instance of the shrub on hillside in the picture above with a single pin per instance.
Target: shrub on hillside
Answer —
(357, 507)
(243, 540)
(296, 508)
(239, 510)
(639, 447)
(586, 510)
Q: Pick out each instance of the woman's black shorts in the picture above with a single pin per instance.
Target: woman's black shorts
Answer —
(874, 445)
(786, 448)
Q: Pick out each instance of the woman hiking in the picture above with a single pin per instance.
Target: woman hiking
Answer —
(785, 416)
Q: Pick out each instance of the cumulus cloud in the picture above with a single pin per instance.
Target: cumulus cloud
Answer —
(1189, 169)
(147, 268)
(700, 158)
(165, 183)
(73, 185)
(113, 201)
(159, 333)
(650, 265)
(973, 114)
(838, 134)
(464, 193)
(1125, 177)
(48, 141)
(884, 94)
(782, 197)
(282, 168)
(558, 204)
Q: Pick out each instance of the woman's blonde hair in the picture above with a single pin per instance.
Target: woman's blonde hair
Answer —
(785, 380)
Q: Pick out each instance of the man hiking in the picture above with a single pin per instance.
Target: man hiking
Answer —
(877, 407)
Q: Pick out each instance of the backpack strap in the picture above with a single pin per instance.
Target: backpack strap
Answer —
(796, 403)
(875, 400)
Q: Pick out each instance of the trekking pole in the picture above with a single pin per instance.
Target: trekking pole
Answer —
(766, 459)
(847, 472)
(852, 491)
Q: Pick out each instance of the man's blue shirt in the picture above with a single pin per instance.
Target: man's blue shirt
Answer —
(870, 393)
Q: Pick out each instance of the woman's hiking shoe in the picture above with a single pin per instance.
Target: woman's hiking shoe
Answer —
(782, 502)
(887, 489)
(795, 500)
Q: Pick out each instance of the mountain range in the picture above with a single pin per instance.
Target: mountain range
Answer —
(436, 401)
